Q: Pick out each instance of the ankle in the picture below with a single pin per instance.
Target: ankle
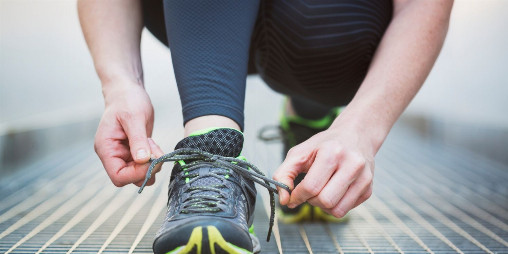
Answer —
(209, 121)
(290, 115)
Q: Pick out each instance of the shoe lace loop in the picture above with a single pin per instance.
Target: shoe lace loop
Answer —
(199, 203)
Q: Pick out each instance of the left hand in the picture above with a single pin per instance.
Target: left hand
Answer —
(339, 163)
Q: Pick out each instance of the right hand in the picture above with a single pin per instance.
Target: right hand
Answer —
(123, 141)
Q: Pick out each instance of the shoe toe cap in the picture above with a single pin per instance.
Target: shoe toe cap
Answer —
(189, 237)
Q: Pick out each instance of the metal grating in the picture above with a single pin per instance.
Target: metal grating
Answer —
(427, 199)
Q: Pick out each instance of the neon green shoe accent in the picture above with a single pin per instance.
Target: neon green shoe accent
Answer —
(316, 124)
(215, 238)
(304, 214)
(204, 131)
(324, 122)
(195, 239)
(321, 215)
(310, 213)
(251, 230)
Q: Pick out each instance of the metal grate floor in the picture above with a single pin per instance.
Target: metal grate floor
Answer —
(427, 199)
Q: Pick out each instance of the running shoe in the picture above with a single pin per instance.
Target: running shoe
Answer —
(211, 196)
(292, 131)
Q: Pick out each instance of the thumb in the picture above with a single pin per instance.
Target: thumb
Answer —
(292, 166)
(135, 129)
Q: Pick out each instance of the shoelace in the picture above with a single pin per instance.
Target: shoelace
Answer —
(239, 166)
(195, 202)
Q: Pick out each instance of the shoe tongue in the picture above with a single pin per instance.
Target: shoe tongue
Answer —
(220, 141)
(224, 142)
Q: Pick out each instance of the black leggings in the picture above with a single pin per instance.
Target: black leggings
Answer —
(315, 51)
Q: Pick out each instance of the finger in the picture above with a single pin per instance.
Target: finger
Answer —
(297, 161)
(149, 183)
(335, 189)
(135, 128)
(156, 153)
(132, 173)
(353, 194)
(113, 155)
(366, 195)
(122, 173)
(317, 177)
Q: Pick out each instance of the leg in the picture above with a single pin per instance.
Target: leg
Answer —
(211, 205)
(319, 49)
(153, 16)
(209, 42)
(318, 52)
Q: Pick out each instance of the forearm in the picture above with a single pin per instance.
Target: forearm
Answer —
(401, 64)
(112, 30)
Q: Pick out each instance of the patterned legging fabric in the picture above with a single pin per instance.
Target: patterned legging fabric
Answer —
(315, 51)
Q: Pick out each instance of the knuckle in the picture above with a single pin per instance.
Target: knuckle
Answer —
(294, 151)
(369, 176)
(298, 155)
(337, 151)
(117, 183)
(275, 176)
(326, 202)
(366, 178)
(126, 115)
(367, 194)
(311, 189)
(359, 162)
(137, 138)
(339, 213)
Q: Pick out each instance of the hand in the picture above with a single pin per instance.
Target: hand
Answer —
(339, 163)
(123, 141)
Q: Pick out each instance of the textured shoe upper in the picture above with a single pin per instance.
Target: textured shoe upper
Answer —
(211, 188)
(202, 188)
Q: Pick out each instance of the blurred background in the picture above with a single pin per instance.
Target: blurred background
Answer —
(440, 186)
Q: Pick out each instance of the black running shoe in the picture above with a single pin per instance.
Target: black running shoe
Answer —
(292, 131)
(211, 196)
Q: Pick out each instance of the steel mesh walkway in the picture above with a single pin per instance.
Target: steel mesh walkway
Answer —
(427, 199)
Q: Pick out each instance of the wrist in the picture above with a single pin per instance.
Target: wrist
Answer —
(119, 88)
(109, 75)
(369, 126)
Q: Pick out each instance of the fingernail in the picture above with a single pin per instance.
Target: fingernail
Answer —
(141, 154)
(291, 206)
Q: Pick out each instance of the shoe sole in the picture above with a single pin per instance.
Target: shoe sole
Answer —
(309, 213)
(215, 244)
